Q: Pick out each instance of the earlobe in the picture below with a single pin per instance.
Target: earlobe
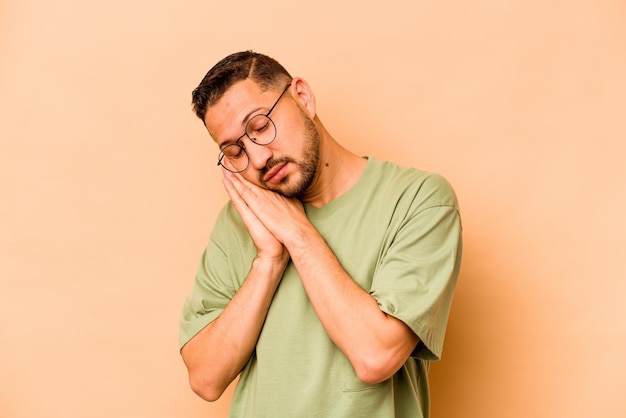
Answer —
(304, 95)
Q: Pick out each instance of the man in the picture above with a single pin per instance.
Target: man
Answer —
(327, 282)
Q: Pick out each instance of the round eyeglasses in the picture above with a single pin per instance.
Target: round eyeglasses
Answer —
(260, 129)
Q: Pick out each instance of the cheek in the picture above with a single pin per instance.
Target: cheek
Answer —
(291, 142)
(292, 128)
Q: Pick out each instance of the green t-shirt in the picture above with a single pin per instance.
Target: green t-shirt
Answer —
(397, 233)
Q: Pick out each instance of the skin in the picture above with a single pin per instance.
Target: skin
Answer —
(269, 196)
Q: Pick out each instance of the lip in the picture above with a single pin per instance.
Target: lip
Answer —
(276, 174)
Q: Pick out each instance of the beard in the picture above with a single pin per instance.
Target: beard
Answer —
(307, 167)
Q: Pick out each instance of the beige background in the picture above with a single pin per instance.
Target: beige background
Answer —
(109, 187)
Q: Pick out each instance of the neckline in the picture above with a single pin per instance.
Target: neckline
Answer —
(355, 189)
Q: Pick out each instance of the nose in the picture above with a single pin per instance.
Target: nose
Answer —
(258, 154)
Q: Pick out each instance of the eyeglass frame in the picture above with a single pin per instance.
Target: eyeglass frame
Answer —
(221, 156)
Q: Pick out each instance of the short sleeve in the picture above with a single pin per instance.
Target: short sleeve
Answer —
(207, 300)
(223, 267)
(417, 276)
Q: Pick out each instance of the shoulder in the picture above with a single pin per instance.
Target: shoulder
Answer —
(425, 187)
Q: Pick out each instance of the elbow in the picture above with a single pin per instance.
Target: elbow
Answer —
(380, 361)
(205, 389)
(372, 377)
(376, 369)
(203, 380)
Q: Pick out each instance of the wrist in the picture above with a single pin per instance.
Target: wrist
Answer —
(302, 239)
(271, 264)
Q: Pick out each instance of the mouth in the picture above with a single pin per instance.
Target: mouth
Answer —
(276, 173)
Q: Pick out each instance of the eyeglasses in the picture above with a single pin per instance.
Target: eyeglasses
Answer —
(260, 129)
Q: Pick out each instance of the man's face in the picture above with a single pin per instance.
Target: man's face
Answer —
(288, 164)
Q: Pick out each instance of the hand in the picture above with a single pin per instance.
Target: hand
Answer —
(282, 217)
(267, 245)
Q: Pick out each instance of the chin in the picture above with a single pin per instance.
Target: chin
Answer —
(284, 190)
(287, 188)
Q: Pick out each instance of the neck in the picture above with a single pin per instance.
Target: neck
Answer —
(338, 170)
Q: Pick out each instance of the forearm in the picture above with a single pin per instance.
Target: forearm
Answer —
(375, 343)
(216, 355)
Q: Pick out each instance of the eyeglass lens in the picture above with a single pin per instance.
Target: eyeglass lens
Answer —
(261, 130)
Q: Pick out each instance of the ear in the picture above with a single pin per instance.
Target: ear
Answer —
(304, 96)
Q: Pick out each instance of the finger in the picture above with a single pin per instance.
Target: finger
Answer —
(258, 232)
(237, 193)
(233, 177)
(249, 192)
(247, 215)
(235, 197)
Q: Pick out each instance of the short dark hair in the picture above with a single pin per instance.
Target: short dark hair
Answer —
(265, 71)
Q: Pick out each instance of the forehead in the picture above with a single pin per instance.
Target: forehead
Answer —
(226, 119)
